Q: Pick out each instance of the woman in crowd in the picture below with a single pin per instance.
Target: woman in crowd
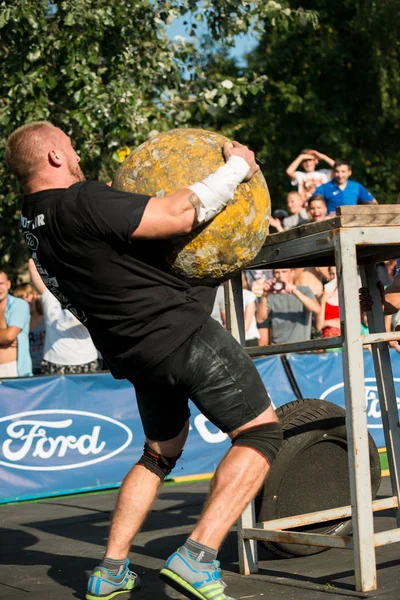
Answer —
(252, 334)
(68, 345)
(328, 319)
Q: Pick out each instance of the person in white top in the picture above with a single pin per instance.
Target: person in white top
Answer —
(68, 347)
(252, 334)
(218, 311)
(308, 180)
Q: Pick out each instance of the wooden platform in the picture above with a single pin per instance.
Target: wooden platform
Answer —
(354, 240)
(318, 249)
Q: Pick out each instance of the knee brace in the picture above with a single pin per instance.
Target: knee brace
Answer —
(265, 439)
(157, 463)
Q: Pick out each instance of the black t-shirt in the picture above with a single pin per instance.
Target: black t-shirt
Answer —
(80, 240)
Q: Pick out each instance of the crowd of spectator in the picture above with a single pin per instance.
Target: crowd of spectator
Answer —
(295, 305)
(38, 336)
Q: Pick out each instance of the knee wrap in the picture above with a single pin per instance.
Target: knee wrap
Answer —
(265, 439)
(157, 463)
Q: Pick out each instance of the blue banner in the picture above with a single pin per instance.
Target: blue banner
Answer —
(77, 433)
(321, 376)
(275, 380)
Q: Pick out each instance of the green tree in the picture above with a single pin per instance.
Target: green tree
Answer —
(107, 73)
(335, 87)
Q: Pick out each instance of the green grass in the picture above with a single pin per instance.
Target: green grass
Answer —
(107, 490)
(384, 461)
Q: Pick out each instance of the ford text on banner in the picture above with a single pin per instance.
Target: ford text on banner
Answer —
(82, 432)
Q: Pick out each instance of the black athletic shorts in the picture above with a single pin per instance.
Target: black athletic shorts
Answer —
(213, 370)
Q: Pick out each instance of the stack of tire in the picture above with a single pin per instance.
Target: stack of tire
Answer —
(311, 472)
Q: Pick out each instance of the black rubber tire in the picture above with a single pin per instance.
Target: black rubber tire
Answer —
(310, 472)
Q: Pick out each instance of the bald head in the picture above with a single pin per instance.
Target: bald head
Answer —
(40, 155)
(26, 150)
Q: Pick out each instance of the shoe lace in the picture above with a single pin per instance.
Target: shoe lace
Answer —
(131, 574)
(217, 568)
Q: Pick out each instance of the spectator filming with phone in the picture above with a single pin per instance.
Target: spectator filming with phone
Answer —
(286, 308)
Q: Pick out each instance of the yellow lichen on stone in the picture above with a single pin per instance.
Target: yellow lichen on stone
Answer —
(178, 158)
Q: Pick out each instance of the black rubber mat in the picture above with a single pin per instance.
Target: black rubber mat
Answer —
(47, 549)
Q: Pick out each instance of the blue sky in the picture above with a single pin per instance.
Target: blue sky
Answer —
(244, 43)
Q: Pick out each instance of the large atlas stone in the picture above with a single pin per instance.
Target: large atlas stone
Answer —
(213, 252)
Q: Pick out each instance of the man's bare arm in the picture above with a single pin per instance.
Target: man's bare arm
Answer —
(262, 310)
(186, 209)
(311, 304)
(36, 280)
(167, 217)
(8, 336)
(292, 168)
(324, 157)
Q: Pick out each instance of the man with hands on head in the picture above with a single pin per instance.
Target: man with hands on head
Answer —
(310, 178)
(155, 330)
(286, 308)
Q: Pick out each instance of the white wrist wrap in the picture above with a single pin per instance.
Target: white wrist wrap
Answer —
(215, 191)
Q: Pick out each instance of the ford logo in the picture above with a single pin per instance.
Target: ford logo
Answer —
(336, 393)
(55, 440)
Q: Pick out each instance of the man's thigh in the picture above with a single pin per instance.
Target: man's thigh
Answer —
(215, 372)
(220, 378)
(163, 408)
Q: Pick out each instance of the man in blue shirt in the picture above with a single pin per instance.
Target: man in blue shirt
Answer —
(342, 191)
(15, 360)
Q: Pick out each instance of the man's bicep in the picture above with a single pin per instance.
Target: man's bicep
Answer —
(153, 221)
(167, 217)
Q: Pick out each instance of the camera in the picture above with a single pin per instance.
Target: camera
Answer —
(278, 286)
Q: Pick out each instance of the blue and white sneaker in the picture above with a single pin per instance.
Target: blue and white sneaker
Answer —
(194, 579)
(105, 585)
